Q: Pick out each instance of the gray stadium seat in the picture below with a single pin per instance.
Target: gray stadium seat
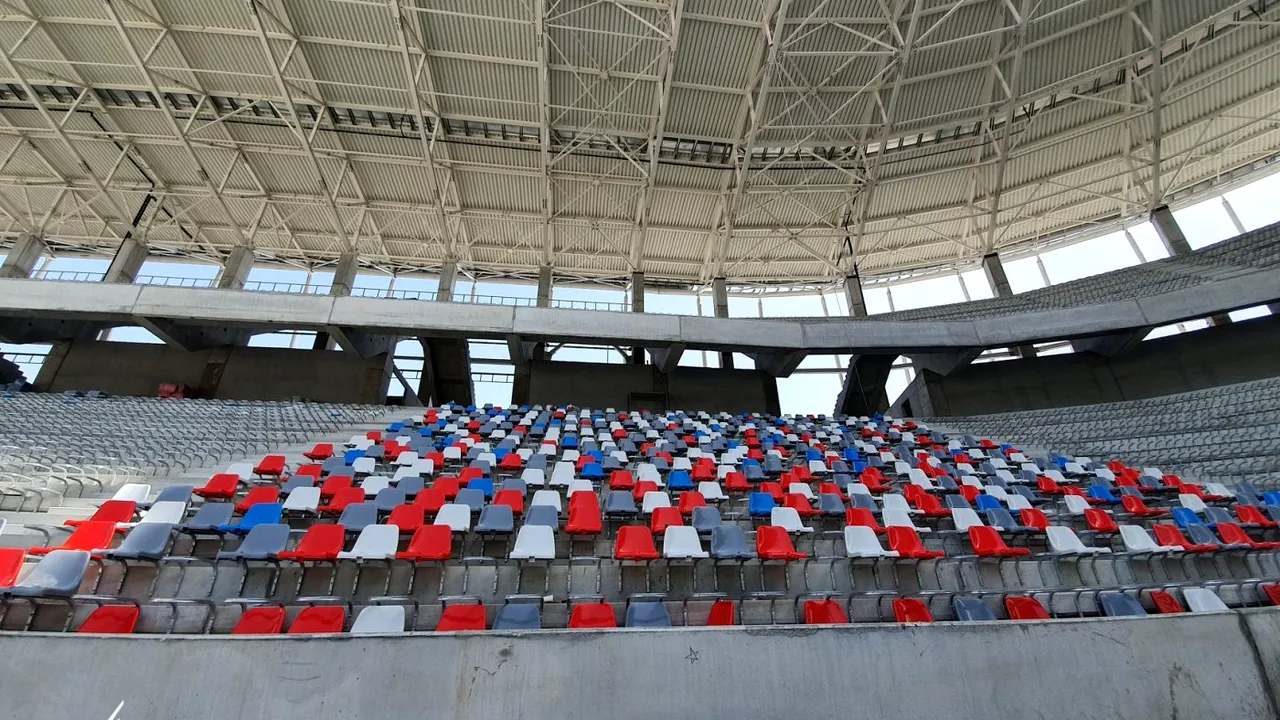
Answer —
(648, 614)
(58, 574)
(518, 616)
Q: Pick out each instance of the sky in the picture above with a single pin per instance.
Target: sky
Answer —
(1204, 223)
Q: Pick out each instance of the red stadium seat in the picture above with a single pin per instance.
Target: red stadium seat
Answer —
(621, 480)
(318, 620)
(343, 498)
(1165, 603)
(260, 621)
(1135, 506)
(447, 484)
(320, 452)
(407, 517)
(334, 484)
(111, 620)
(663, 518)
(635, 542)
(986, 542)
(642, 487)
(1233, 534)
(1025, 607)
(910, 610)
(513, 499)
(222, 486)
(459, 618)
(1034, 519)
(271, 465)
(1250, 515)
(689, 501)
(430, 543)
(824, 612)
(800, 503)
(1100, 522)
(92, 535)
(584, 515)
(864, 517)
(907, 544)
(774, 543)
(258, 495)
(723, 612)
(736, 482)
(114, 511)
(593, 615)
(319, 543)
(11, 560)
(1170, 536)
(430, 500)
(1272, 592)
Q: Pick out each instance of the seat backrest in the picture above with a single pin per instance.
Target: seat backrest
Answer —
(728, 541)
(964, 518)
(455, 516)
(356, 516)
(303, 498)
(911, 610)
(518, 616)
(260, 621)
(1185, 517)
(264, 541)
(592, 615)
(861, 541)
(319, 619)
(705, 519)
(971, 609)
(455, 618)
(1025, 607)
(1202, 535)
(1064, 540)
(544, 515)
(647, 614)
(496, 518)
(379, 619)
(146, 540)
(535, 542)
(111, 619)
(375, 542)
(682, 542)
(824, 612)
(59, 573)
(138, 492)
(788, 518)
(1120, 605)
(549, 498)
(1136, 539)
(11, 560)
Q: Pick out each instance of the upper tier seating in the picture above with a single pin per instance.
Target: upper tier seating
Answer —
(640, 520)
(56, 445)
(1225, 434)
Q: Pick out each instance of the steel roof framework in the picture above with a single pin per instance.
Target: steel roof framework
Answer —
(770, 141)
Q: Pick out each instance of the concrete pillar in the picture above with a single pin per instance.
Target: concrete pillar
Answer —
(448, 275)
(22, 257)
(994, 270)
(127, 262)
(637, 292)
(853, 295)
(637, 306)
(999, 281)
(235, 269)
(544, 286)
(344, 274)
(1170, 233)
(720, 300)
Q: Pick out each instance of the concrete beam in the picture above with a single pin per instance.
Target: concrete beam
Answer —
(1169, 231)
(778, 364)
(127, 261)
(364, 344)
(853, 296)
(194, 337)
(450, 370)
(544, 286)
(235, 269)
(1111, 345)
(48, 330)
(344, 274)
(944, 363)
(521, 351)
(448, 277)
(22, 257)
(666, 359)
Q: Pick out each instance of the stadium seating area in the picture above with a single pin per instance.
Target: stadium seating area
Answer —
(1252, 251)
(473, 519)
(58, 446)
(1224, 434)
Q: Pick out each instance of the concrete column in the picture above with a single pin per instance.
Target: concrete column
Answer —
(544, 286)
(344, 274)
(720, 300)
(999, 281)
(127, 262)
(448, 275)
(235, 270)
(637, 306)
(994, 270)
(22, 257)
(1170, 233)
(853, 295)
(637, 292)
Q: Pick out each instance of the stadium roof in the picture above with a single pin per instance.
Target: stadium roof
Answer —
(767, 141)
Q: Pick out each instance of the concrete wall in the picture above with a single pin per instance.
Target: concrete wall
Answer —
(601, 385)
(1188, 666)
(237, 373)
(1218, 356)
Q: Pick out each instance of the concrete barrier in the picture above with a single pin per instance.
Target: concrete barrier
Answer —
(1202, 666)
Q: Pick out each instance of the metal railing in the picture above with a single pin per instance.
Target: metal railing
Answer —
(70, 276)
(394, 294)
(285, 287)
(168, 281)
(590, 305)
